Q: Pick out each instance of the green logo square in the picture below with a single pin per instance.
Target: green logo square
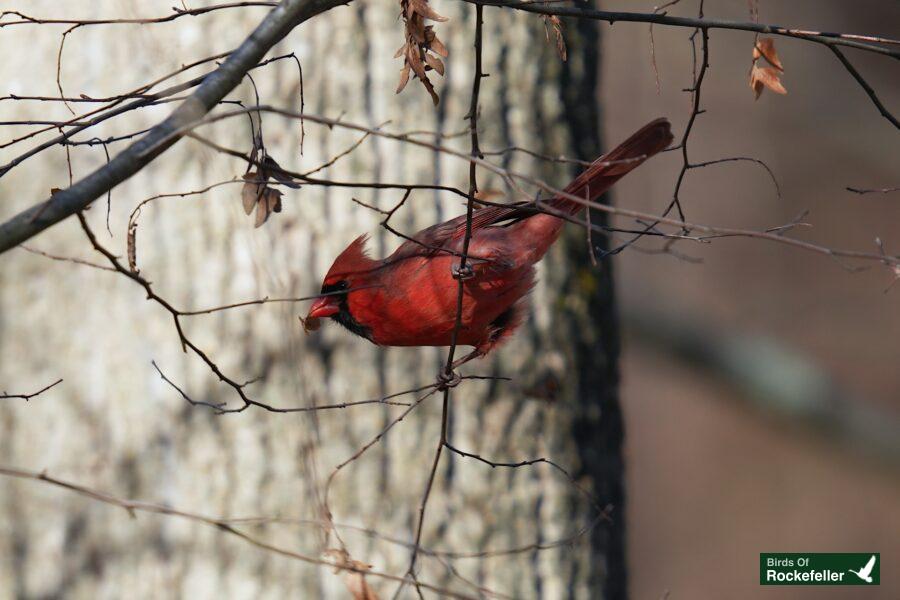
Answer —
(820, 568)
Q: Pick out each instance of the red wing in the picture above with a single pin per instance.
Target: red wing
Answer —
(449, 234)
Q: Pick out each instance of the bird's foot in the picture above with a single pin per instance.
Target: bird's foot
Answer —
(462, 273)
(448, 380)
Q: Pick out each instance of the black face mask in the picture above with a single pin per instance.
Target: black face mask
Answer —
(344, 317)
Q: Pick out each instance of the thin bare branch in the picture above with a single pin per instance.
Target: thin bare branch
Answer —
(868, 43)
(77, 261)
(512, 177)
(862, 191)
(27, 397)
(177, 13)
(865, 86)
(134, 506)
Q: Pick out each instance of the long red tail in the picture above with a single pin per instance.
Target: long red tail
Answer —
(612, 166)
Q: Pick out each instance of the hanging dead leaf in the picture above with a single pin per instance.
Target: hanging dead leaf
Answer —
(269, 203)
(358, 587)
(765, 77)
(251, 191)
(414, 60)
(404, 78)
(420, 46)
(762, 78)
(552, 22)
(421, 7)
(765, 47)
(435, 63)
(354, 579)
(256, 193)
(434, 44)
(273, 200)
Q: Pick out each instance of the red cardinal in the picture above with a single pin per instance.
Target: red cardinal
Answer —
(410, 297)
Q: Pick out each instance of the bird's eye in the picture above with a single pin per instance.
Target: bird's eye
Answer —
(338, 286)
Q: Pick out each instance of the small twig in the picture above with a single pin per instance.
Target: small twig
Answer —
(657, 10)
(219, 405)
(759, 162)
(340, 155)
(873, 191)
(76, 261)
(27, 397)
(865, 86)
(177, 13)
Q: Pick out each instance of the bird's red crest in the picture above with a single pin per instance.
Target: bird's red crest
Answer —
(353, 260)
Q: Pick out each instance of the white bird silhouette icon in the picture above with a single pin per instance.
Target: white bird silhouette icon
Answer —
(866, 572)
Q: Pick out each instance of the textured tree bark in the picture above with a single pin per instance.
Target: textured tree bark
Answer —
(114, 424)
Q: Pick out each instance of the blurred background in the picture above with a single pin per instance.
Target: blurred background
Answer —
(722, 467)
(759, 382)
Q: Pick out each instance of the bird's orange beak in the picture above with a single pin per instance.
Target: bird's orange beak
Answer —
(324, 307)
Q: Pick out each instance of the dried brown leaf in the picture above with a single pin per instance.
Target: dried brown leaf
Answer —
(762, 78)
(251, 191)
(766, 77)
(414, 60)
(420, 42)
(422, 8)
(355, 580)
(435, 63)
(310, 324)
(404, 78)
(765, 47)
(417, 31)
(430, 89)
(436, 46)
(553, 22)
(273, 200)
(261, 215)
(756, 85)
(269, 203)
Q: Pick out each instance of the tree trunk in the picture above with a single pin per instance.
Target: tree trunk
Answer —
(115, 425)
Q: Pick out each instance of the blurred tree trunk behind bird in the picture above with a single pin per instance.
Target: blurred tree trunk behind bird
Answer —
(115, 425)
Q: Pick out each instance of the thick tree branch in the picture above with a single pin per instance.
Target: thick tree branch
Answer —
(214, 88)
